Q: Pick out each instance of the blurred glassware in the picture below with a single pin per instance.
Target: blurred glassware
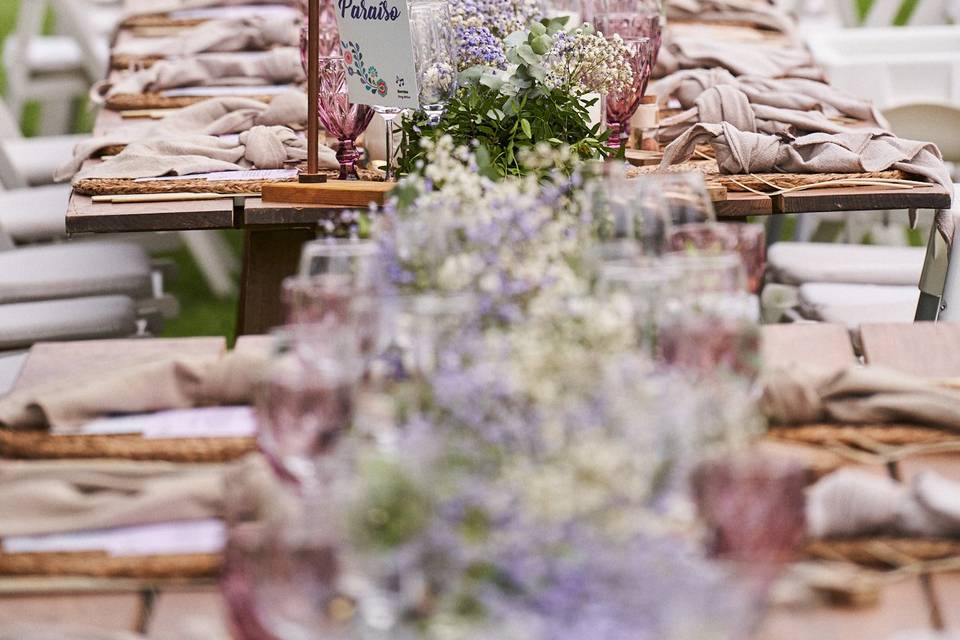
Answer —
(620, 107)
(329, 32)
(748, 240)
(632, 220)
(710, 328)
(573, 10)
(683, 195)
(435, 55)
(629, 19)
(648, 284)
(357, 260)
(341, 118)
(307, 396)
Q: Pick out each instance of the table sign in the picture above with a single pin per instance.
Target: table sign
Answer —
(378, 52)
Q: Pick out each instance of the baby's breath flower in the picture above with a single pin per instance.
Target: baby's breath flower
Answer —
(587, 62)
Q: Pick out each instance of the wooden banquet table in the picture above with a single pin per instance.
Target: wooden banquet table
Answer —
(194, 609)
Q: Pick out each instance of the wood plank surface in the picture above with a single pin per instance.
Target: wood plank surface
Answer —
(85, 216)
(257, 213)
(813, 346)
(740, 204)
(861, 199)
(47, 361)
(71, 613)
(928, 349)
(194, 615)
(903, 607)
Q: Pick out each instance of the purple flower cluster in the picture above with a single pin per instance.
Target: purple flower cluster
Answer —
(478, 46)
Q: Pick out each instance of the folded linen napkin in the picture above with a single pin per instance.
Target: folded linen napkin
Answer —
(740, 58)
(858, 395)
(740, 151)
(851, 503)
(758, 13)
(78, 495)
(143, 7)
(175, 383)
(277, 66)
(798, 94)
(214, 117)
(747, 111)
(253, 33)
(260, 148)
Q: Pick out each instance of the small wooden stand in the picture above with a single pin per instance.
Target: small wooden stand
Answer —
(334, 193)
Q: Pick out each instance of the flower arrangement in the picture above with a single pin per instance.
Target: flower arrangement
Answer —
(536, 86)
(450, 229)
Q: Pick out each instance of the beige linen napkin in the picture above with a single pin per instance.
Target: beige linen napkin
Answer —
(740, 58)
(214, 117)
(77, 495)
(254, 33)
(278, 66)
(260, 148)
(858, 395)
(142, 7)
(176, 383)
(851, 502)
(757, 13)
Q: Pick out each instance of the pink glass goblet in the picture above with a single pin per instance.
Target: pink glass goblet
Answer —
(341, 118)
(748, 240)
(329, 34)
(630, 19)
(621, 106)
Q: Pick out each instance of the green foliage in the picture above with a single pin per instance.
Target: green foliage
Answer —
(505, 112)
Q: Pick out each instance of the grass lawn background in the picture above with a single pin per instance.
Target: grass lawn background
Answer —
(201, 313)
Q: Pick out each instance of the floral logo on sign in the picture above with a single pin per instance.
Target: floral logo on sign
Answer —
(353, 59)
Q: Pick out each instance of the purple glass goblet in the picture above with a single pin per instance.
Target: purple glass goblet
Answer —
(341, 118)
(621, 106)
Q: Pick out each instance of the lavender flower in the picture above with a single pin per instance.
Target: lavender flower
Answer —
(478, 46)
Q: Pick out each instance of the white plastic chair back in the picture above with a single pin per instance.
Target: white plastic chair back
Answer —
(938, 123)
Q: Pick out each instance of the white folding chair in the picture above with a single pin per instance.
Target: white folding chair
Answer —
(30, 161)
(47, 68)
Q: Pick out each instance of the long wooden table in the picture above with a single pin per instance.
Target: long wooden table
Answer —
(172, 610)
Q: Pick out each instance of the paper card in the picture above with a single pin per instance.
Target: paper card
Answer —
(227, 90)
(378, 52)
(220, 176)
(204, 422)
(163, 539)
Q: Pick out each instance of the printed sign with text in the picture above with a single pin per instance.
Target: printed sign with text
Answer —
(377, 50)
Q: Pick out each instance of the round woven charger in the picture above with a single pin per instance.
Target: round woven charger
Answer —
(884, 551)
(125, 186)
(122, 62)
(890, 434)
(41, 445)
(132, 101)
(100, 565)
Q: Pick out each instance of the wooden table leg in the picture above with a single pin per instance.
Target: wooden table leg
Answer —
(269, 256)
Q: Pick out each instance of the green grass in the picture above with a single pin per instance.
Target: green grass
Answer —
(201, 313)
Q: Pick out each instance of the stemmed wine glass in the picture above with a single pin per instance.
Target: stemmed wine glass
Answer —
(339, 116)
(629, 19)
(434, 54)
(621, 106)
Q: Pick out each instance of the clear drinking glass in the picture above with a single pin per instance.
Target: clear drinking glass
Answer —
(683, 196)
(357, 260)
(748, 240)
(435, 55)
(340, 117)
(619, 107)
(648, 284)
(632, 221)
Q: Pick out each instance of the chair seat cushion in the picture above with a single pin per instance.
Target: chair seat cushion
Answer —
(48, 54)
(855, 304)
(800, 262)
(30, 215)
(73, 270)
(22, 324)
(35, 159)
